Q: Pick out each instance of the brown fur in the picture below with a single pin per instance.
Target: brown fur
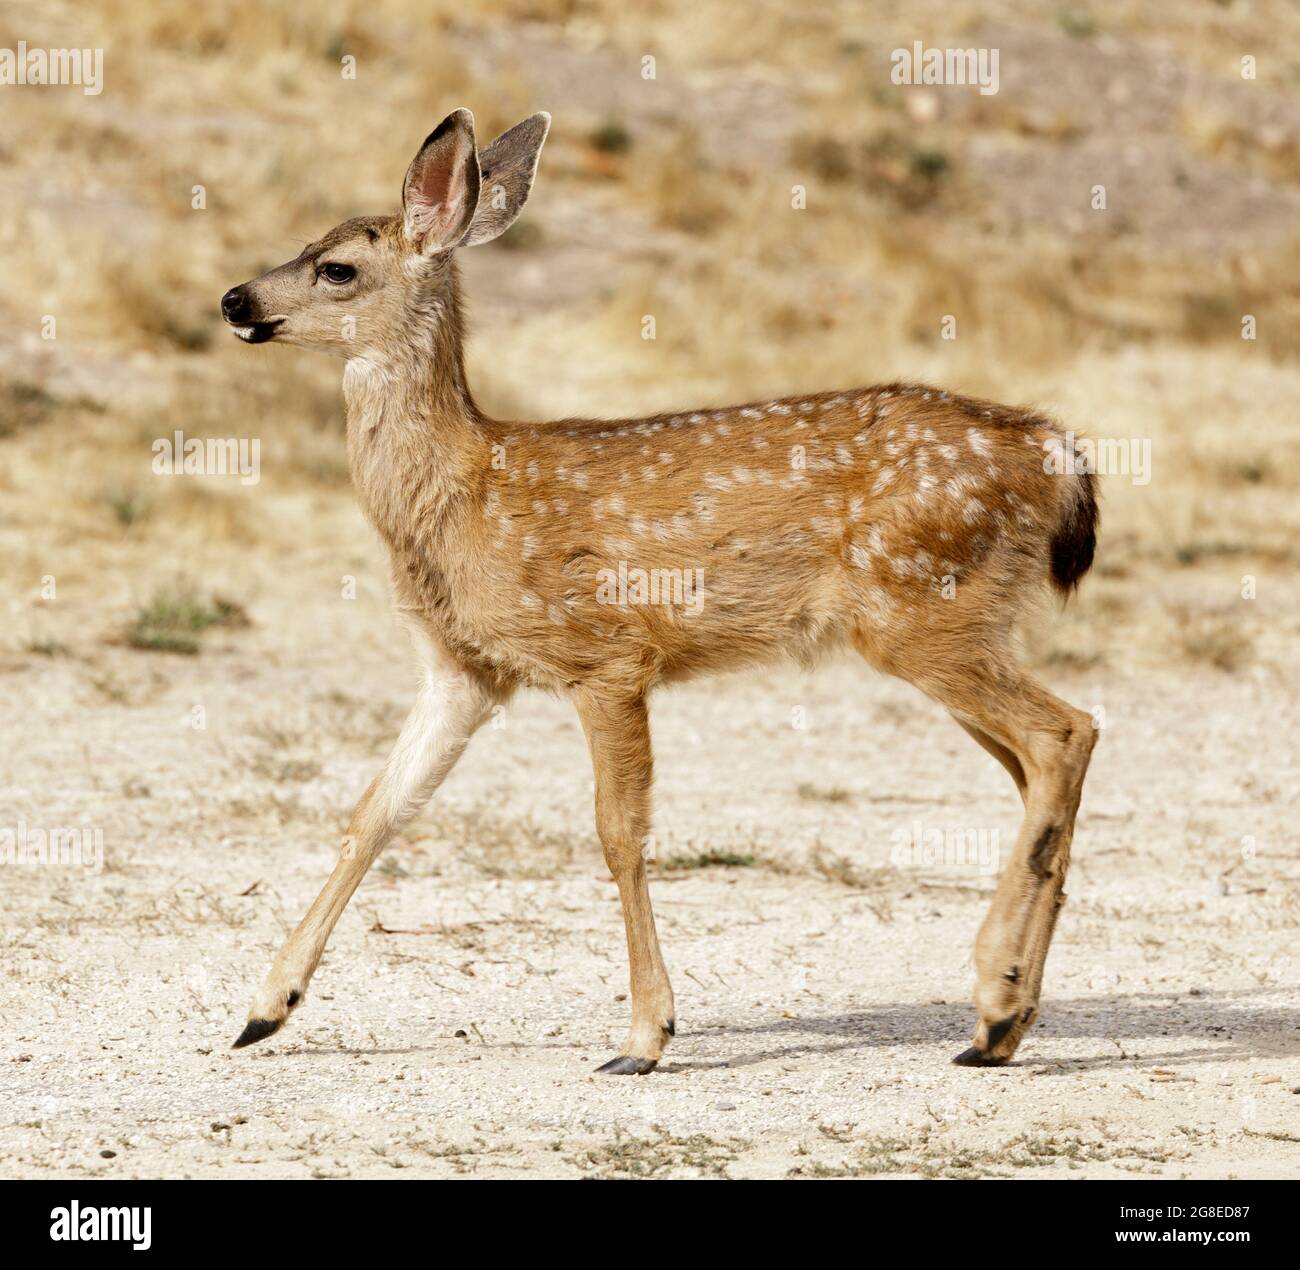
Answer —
(902, 521)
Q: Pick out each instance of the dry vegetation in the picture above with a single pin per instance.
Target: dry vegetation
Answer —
(668, 197)
(672, 197)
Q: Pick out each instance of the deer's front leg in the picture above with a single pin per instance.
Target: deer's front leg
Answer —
(618, 733)
(449, 708)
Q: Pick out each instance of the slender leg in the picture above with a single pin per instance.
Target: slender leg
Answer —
(448, 709)
(618, 733)
(1052, 743)
(1045, 745)
(1051, 898)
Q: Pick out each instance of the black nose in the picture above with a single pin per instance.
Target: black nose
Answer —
(234, 305)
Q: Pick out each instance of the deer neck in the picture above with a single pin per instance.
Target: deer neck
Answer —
(417, 449)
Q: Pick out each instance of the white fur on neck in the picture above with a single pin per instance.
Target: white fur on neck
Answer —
(369, 381)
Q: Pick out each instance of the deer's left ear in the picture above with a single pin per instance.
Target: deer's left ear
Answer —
(440, 193)
(508, 167)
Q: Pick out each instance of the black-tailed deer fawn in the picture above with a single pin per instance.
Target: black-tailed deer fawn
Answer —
(907, 523)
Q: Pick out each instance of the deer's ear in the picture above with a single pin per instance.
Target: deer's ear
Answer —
(507, 168)
(440, 193)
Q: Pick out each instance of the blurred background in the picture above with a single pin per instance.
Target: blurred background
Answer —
(668, 196)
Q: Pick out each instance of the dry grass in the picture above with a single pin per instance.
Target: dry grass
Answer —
(931, 1153)
(176, 617)
(670, 198)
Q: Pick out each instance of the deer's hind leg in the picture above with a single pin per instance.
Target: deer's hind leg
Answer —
(1053, 742)
(1045, 746)
(618, 733)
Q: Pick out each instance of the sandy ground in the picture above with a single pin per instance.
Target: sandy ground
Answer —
(821, 962)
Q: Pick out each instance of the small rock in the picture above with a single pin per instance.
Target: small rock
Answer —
(107, 1154)
(724, 1106)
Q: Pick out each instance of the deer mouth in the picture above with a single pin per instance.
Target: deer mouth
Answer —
(257, 332)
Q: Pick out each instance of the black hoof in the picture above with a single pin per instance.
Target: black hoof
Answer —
(977, 1058)
(256, 1030)
(626, 1065)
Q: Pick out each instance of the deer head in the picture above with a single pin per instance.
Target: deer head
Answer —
(374, 284)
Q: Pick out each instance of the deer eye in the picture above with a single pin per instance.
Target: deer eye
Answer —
(338, 273)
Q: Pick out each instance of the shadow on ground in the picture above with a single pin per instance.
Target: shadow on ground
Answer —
(1234, 1028)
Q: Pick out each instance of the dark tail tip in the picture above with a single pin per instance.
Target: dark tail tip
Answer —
(256, 1030)
(1075, 540)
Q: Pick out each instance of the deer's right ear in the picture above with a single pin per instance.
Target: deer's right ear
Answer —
(508, 167)
(440, 193)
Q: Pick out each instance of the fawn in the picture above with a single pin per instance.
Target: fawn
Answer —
(909, 524)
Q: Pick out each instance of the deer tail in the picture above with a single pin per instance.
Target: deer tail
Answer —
(1075, 538)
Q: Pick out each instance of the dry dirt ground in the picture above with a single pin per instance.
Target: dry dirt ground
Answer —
(818, 941)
